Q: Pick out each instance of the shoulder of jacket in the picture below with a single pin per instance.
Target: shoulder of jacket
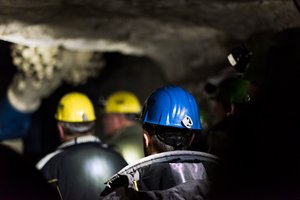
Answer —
(45, 160)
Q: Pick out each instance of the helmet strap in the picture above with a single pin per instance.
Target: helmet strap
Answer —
(175, 137)
(176, 141)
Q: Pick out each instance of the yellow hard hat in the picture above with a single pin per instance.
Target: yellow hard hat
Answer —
(75, 107)
(122, 102)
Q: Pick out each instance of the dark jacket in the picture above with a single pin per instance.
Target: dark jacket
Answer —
(169, 175)
(19, 179)
(80, 167)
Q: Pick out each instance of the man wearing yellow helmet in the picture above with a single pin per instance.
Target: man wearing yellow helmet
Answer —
(121, 129)
(81, 164)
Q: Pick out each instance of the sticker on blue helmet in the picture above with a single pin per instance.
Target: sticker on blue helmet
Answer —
(187, 122)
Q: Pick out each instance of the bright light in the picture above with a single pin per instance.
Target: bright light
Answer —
(130, 154)
(98, 169)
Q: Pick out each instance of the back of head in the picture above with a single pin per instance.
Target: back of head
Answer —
(171, 113)
(232, 90)
(75, 110)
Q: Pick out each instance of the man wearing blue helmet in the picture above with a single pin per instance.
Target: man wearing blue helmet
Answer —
(170, 118)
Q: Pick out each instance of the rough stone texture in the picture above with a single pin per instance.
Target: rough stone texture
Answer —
(181, 35)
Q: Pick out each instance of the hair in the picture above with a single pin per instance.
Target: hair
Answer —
(75, 128)
(169, 138)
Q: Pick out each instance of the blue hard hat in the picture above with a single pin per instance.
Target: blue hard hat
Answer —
(172, 106)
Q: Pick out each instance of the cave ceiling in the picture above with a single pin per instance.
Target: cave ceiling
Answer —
(186, 35)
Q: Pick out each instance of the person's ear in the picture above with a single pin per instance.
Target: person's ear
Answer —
(61, 131)
(192, 138)
(147, 139)
(230, 110)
